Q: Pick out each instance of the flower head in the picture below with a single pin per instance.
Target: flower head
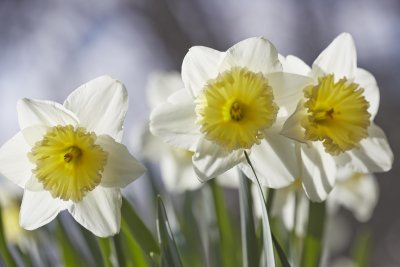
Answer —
(334, 119)
(175, 163)
(70, 157)
(233, 101)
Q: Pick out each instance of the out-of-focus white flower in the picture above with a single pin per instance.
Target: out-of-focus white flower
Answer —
(70, 157)
(233, 101)
(334, 119)
(175, 163)
(356, 192)
(291, 205)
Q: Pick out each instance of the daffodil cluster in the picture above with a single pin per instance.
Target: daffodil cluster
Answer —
(290, 126)
(299, 125)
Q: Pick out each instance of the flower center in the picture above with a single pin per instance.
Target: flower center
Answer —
(68, 162)
(234, 109)
(337, 114)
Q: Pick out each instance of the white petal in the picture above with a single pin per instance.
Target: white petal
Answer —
(161, 85)
(99, 211)
(358, 194)
(200, 65)
(175, 122)
(292, 127)
(100, 105)
(230, 179)
(274, 161)
(371, 91)
(39, 208)
(177, 172)
(338, 58)
(33, 134)
(210, 160)
(14, 162)
(257, 54)
(151, 147)
(121, 168)
(288, 89)
(292, 64)
(38, 112)
(374, 154)
(319, 171)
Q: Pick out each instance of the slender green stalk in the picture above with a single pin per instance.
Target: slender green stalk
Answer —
(249, 238)
(106, 251)
(268, 250)
(313, 242)
(228, 249)
(119, 250)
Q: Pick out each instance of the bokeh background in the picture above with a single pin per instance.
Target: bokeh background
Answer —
(50, 47)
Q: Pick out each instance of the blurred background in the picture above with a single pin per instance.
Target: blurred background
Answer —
(50, 47)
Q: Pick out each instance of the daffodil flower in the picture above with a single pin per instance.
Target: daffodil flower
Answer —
(357, 192)
(334, 119)
(175, 163)
(70, 157)
(233, 101)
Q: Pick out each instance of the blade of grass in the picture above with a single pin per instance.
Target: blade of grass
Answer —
(361, 249)
(169, 252)
(119, 251)
(249, 238)
(227, 241)
(135, 254)
(313, 242)
(70, 255)
(268, 249)
(192, 249)
(92, 245)
(106, 250)
(138, 229)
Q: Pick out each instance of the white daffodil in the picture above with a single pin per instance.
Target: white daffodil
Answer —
(291, 205)
(233, 101)
(334, 119)
(70, 157)
(356, 192)
(175, 163)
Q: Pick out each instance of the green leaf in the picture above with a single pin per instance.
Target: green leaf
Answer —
(249, 239)
(282, 255)
(268, 250)
(169, 252)
(105, 245)
(135, 256)
(313, 241)
(5, 253)
(119, 251)
(92, 245)
(138, 229)
(361, 249)
(192, 250)
(70, 254)
(230, 254)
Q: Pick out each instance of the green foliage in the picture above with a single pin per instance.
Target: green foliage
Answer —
(314, 239)
(169, 252)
